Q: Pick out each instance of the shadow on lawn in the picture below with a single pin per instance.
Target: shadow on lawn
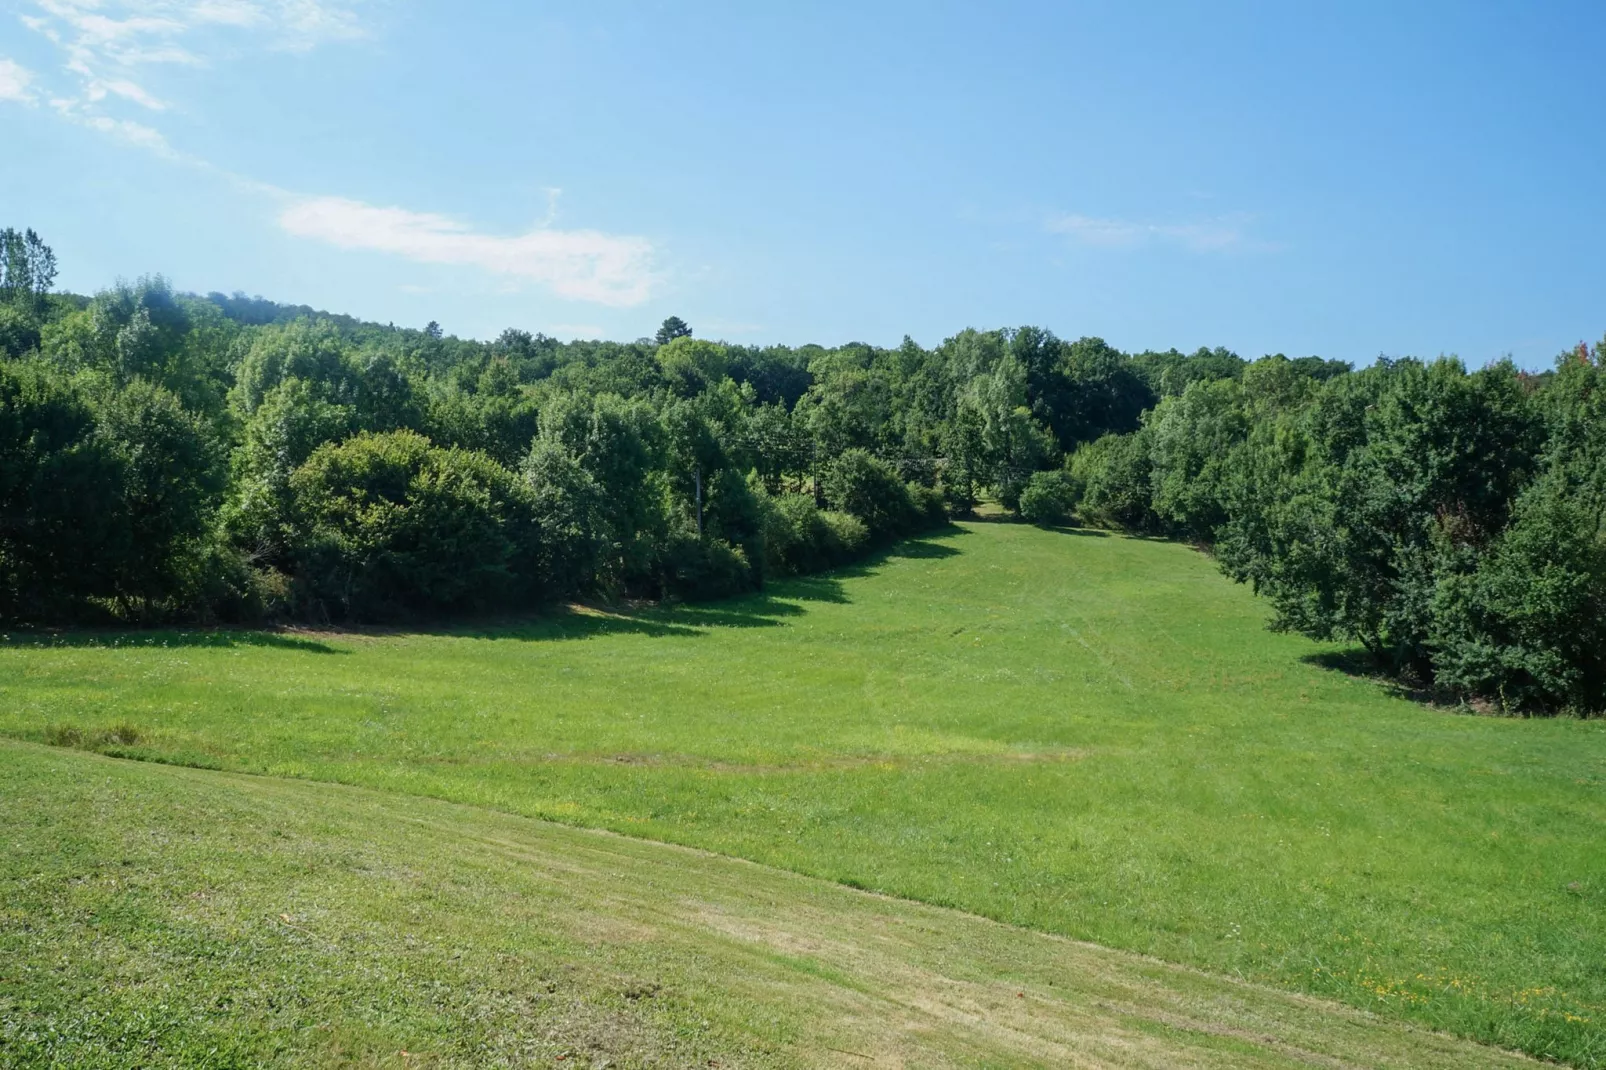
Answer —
(772, 608)
(783, 600)
(1061, 529)
(1358, 662)
(179, 638)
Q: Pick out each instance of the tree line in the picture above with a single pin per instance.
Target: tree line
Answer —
(177, 457)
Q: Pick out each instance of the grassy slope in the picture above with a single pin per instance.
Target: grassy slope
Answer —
(1087, 735)
(219, 920)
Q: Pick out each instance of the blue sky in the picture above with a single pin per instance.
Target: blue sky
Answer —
(1342, 179)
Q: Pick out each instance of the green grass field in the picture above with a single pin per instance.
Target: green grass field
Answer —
(1085, 735)
(215, 920)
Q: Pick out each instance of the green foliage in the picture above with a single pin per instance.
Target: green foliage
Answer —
(310, 350)
(690, 365)
(106, 497)
(1194, 436)
(800, 537)
(171, 478)
(59, 492)
(1050, 498)
(866, 487)
(1116, 472)
(1394, 482)
(1528, 626)
(19, 331)
(27, 269)
(391, 525)
(1439, 518)
(291, 422)
(698, 568)
(672, 328)
(1102, 393)
(569, 509)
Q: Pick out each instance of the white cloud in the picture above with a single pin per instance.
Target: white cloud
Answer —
(584, 265)
(1209, 236)
(136, 134)
(127, 90)
(104, 43)
(16, 82)
(241, 13)
(305, 24)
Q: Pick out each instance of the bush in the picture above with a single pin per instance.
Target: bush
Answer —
(793, 535)
(849, 536)
(868, 488)
(700, 569)
(1528, 628)
(799, 537)
(930, 506)
(1116, 470)
(1049, 498)
(391, 525)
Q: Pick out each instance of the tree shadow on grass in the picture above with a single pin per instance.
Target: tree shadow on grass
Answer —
(553, 623)
(175, 638)
(785, 600)
(933, 545)
(1358, 662)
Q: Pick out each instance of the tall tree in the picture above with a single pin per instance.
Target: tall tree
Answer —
(27, 268)
(672, 328)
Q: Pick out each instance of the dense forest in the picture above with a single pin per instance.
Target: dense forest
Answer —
(169, 457)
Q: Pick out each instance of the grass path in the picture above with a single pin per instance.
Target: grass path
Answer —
(1089, 736)
(216, 920)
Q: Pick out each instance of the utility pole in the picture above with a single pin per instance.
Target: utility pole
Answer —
(698, 473)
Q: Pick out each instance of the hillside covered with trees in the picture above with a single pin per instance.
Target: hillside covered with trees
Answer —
(172, 457)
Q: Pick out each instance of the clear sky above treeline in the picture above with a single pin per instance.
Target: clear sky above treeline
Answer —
(1342, 179)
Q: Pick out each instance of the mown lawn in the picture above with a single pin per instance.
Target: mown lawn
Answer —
(161, 916)
(1083, 734)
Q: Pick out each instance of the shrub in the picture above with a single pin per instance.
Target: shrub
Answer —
(793, 535)
(699, 568)
(849, 536)
(930, 506)
(868, 488)
(1049, 498)
(389, 524)
(1115, 470)
(799, 537)
(1528, 628)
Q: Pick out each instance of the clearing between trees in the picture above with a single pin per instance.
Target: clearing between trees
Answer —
(1086, 735)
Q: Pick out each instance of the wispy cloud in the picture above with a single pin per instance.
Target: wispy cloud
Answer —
(138, 135)
(16, 82)
(105, 43)
(1220, 234)
(584, 265)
